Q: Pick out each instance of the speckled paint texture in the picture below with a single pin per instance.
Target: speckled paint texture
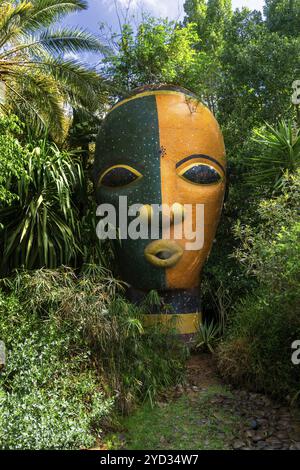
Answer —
(130, 135)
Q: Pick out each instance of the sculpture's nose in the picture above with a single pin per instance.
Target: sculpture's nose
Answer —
(170, 214)
(177, 213)
(146, 213)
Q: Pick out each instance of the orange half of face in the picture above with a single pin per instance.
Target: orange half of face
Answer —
(190, 137)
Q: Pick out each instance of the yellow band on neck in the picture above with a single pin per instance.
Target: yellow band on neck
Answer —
(184, 323)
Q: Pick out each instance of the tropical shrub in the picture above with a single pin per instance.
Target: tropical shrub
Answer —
(256, 350)
(279, 152)
(134, 364)
(40, 226)
(207, 336)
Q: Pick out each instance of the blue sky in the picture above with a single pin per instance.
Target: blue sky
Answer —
(104, 11)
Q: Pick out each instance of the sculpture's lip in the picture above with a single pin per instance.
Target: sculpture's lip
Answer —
(163, 253)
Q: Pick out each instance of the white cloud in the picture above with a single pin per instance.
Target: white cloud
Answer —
(251, 4)
(172, 9)
(164, 8)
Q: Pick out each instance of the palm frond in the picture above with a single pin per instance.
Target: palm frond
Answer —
(30, 110)
(12, 19)
(46, 12)
(58, 41)
(42, 90)
(74, 77)
(41, 81)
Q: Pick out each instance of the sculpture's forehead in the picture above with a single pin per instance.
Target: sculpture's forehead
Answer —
(130, 135)
(142, 128)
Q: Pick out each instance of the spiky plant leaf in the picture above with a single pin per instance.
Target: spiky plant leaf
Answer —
(280, 153)
(40, 227)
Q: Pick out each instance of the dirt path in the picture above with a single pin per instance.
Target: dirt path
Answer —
(206, 414)
(264, 424)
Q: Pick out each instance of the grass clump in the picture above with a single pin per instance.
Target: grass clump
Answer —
(189, 423)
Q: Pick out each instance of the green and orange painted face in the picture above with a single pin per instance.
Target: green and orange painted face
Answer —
(162, 147)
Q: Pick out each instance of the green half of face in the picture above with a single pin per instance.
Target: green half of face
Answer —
(129, 137)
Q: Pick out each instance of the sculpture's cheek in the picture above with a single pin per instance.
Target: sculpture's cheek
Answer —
(186, 272)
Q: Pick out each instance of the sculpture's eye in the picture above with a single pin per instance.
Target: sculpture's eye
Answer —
(201, 173)
(118, 176)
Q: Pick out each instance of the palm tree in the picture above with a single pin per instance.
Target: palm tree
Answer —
(42, 80)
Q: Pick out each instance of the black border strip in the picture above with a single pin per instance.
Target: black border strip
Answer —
(163, 87)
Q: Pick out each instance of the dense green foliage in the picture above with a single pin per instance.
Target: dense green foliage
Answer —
(41, 227)
(77, 351)
(47, 207)
(283, 16)
(258, 71)
(75, 348)
(12, 157)
(158, 52)
(50, 397)
(257, 350)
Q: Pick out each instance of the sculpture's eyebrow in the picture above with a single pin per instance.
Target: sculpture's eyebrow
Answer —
(204, 157)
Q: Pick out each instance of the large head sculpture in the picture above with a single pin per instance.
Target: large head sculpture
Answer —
(161, 146)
